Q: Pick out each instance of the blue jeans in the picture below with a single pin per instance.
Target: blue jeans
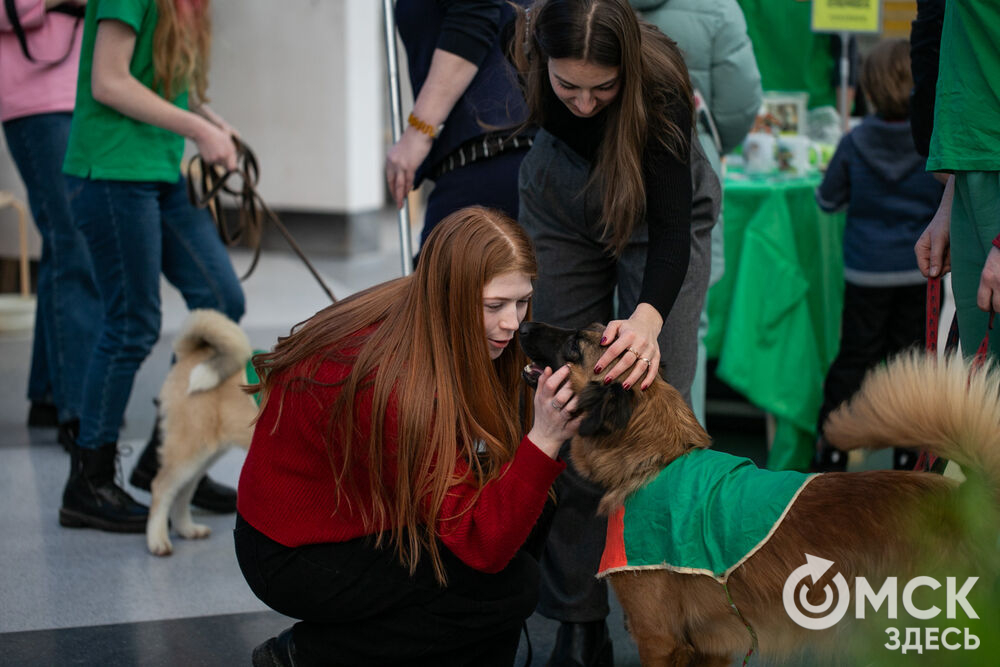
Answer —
(69, 304)
(135, 230)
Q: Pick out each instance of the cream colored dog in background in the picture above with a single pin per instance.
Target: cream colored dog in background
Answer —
(203, 412)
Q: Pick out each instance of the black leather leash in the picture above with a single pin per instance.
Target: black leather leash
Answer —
(206, 183)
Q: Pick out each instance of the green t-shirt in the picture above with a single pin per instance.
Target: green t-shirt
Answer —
(104, 143)
(967, 109)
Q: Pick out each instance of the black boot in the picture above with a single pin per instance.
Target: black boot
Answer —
(67, 434)
(582, 645)
(42, 414)
(904, 459)
(91, 498)
(828, 458)
(275, 652)
(210, 495)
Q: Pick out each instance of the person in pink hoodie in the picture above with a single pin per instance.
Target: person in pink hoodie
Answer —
(39, 56)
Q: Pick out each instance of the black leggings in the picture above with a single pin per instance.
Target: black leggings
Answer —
(359, 606)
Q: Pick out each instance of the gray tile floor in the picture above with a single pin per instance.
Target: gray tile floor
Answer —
(85, 597)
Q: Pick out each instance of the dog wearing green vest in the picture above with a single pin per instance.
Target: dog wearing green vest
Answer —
(204, 411)
(701, 544)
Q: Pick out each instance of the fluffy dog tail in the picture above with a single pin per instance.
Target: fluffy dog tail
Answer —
(917, 400)
(229, 345)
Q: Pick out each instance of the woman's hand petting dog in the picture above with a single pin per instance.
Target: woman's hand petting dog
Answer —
(633, 347)
(555, 404)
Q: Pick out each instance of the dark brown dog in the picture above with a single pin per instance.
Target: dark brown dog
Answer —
(870, 524)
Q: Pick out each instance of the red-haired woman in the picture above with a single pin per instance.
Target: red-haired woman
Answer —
(138, 60)
(388, 491)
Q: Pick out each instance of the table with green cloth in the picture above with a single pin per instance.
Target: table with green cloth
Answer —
(774, 317)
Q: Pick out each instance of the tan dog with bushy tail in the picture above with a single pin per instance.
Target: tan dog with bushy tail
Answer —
(872, 524)
(204, 412)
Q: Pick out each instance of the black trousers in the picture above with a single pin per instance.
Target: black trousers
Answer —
(878, 322)
(358, 605)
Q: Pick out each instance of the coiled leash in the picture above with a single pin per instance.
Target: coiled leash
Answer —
(205, 185)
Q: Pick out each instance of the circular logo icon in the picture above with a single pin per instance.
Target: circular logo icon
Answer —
(814, 568)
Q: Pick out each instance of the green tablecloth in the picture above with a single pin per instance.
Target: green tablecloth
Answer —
(774, 318)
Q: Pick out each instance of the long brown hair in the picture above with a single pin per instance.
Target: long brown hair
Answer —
(429, 353)
(654, 82)
(182, 45)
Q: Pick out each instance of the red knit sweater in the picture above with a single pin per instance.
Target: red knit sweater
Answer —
(286, 488)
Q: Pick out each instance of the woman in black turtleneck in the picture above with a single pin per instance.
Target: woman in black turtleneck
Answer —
(619, 202)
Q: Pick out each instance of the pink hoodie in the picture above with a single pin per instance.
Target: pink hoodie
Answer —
(28, 88)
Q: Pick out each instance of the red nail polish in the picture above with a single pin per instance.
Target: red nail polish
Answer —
(607, 380)
(604, 340)
(598, 369)
(626, 385)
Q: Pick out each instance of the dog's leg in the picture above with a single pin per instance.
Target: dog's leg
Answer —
(168, 492)
(655, 617)
(180, 511)
(163, 490)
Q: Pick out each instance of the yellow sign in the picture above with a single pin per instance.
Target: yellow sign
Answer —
(846, 15)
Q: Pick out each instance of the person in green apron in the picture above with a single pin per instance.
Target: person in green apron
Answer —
(964, 235)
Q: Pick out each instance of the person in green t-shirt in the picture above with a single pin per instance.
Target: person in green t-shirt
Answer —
(964, 235)
(139, 58)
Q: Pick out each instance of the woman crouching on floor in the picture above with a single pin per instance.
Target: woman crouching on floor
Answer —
(388, 496)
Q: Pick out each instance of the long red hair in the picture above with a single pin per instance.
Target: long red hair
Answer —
(429, 353)
(182, 45)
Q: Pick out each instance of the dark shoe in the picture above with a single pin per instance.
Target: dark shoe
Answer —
(276, 652)
(92, 499)
(43, 415)
(828, 458)
(582, 645)
(67, 434)
(210, 495)
(904, 459)
(215, 497)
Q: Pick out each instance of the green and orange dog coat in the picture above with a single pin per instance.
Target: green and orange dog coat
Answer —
(705, 513)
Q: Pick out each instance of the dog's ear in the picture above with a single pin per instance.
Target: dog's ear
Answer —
(608, 408)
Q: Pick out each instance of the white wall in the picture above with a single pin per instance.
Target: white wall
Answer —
(304, 82)
(11, 182)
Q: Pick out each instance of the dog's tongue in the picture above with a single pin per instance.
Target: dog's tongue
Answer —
(531, 373)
